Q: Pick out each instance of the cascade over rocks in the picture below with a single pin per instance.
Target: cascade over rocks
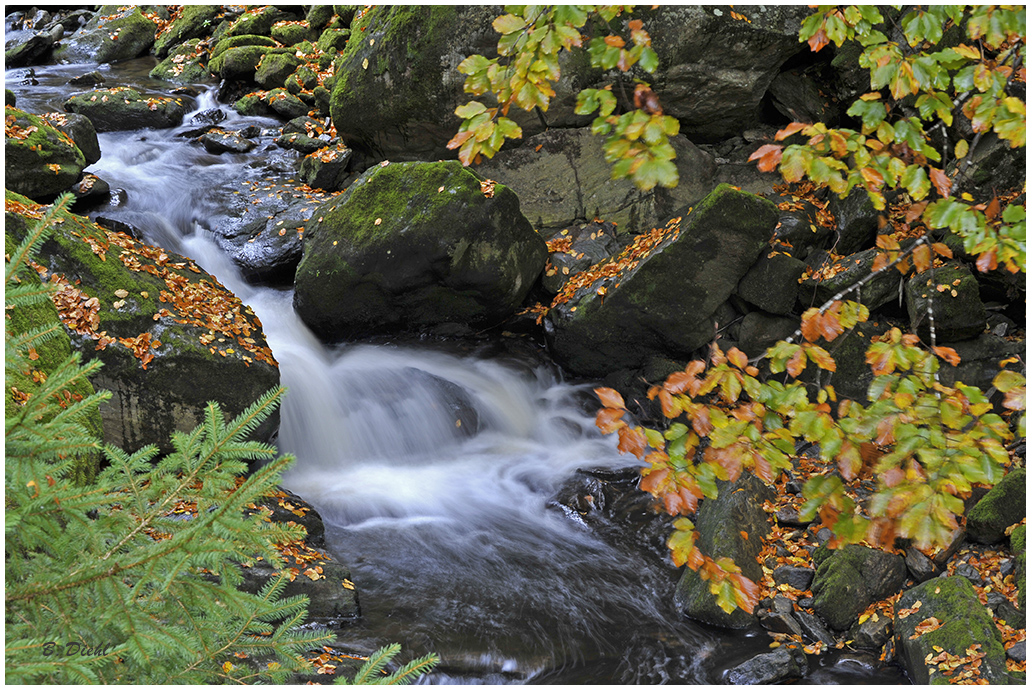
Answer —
(662, 304)
(170, 335)
(40, 161)
(562, 176)
(415, 245)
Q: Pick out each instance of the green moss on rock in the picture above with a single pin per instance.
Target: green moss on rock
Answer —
(415, 245)
(185, 64)
(957, 308)
(965, 623)
(851, 578)
(115, 33)
(1003, 506)
(123, 108)
(274, 68)
(40, 161)
(196, 21)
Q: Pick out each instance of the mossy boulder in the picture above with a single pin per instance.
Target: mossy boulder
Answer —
(123, 108)
(238, 41)
(255, 103)
(721, 523)
(185, 64)
(274, 68)
(397, 86)
(240, 62)
(333, 40)
(195, 21)
(290, 33)
(115, 33)
(951, 292)
(80, 130)
(415, 245)
(966, 628)
(286, 104)
(1002, 507)
(170, 335)
(303, 79)
(9, 98)
(327, 168)
(40, 161)
(50, 354)
(23, 48)
(851, 578)
(660, 303)
(257, 20)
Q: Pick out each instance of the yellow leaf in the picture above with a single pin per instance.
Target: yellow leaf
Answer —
(227, 666)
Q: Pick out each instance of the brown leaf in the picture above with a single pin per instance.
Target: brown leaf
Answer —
(942, 250)
(948, 354)
(922, 258)
(767, 156)
(789, 130)
(610, 398)
(941, 181)
(608, 420)
(914, 211)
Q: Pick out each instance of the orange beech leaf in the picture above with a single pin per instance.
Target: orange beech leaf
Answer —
(700, 418)
(880, 262)
(942, 250)
(747, 593)
(948, 354)
(608, 420)
(821, 358)
(767, 156)
(797, 363)
(993, 210)
(670, 405)
(886, 242)
(810, 327)
(886, 431)
(610, 398)
(818, 40)
(914, 211)
(653, 479)
(737, 358)
(728, 459)
(850, 461)
(789, 130)
(941, 181)
(632, 440)
(986, 261)
(761, 468)
(922, 258)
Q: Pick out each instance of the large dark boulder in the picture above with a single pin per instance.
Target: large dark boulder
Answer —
(1002, 507)
(23, 48)
(772, 284)
(115, 33)
(662, 303)
(562, 176)
(171, 337)
(714, 68)
(123, 108)
(40, 161)
(397, 85)
(732, 525)
(967, 632)
(951, 292)
(415, 245)
(851, 578)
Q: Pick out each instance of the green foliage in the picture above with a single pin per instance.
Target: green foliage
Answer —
(905, 141)
(374, 672)
(133, 578)
(532, 38)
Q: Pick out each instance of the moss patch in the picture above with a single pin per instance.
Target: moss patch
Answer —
(40, 161)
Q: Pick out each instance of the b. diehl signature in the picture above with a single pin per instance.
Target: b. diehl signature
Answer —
(72, 648)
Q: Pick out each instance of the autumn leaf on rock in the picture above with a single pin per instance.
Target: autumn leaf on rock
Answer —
(610, 398)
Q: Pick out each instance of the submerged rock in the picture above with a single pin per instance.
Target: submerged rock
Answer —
(415, 245)
(781, 665)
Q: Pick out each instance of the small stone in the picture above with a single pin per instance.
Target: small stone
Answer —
(797, 577)
(814, 629)
(790, 516)
(969, 572)
(1017, 651)
(768, 668)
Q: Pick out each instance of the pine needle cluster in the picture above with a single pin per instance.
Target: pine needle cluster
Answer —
(133, 577)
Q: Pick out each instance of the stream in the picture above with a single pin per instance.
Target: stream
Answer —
(447, 530)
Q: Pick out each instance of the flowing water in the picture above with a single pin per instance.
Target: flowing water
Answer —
(433, 470)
